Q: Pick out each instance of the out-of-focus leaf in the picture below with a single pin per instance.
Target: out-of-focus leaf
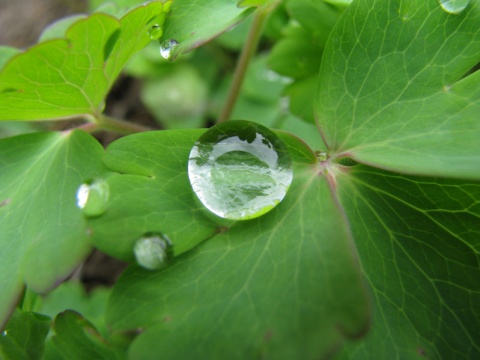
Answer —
(24, 336)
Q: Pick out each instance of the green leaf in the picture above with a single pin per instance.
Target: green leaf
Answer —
(419, 242)
(43, 232)
(302, 95)
(77, 339)
(178, 95)
(71, 295)
(296, 56)
(71, 77)
(24, 336)
(248, 291)
(398, 97)
(194, 22)
(250, 3)
(151, 194)
(6, 53)
(58, 29)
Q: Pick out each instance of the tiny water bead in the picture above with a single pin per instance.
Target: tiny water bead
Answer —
(92, 197)
(454, 6)
(321, 155)
(169, 49)
(155, 32)
(240, 170)
(153, 250)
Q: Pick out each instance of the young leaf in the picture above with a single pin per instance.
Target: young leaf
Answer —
(77, 339)
(71, 295)
(43, 231)
(401, 98)
(246, 293)
(194, 22)
(70, 77)
(418, 239)
(24, 337)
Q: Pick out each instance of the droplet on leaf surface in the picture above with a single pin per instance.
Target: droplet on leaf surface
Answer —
(152, 251)
(92, 197)
(454, 6)
(155, 32)
(169, 49)
(240, 170)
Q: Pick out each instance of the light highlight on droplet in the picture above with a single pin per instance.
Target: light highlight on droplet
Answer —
(155, 32)
(454, 6)
(152, 251)
(92, 197)
(169, 49)
(240, 170)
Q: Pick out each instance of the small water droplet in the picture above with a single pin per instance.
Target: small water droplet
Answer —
(169, 49)
(454, 6)
(155, 32)
(153, 250)
(240, 170)
(321, 155)
(4, 333)
(92, 197)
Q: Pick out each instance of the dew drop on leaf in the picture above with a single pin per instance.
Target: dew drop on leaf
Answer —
(153, 250)
(4, 333)
(169, 49)
(321, 155)
(240, 170)
(155, 32)
(454, 6)
(92, 197)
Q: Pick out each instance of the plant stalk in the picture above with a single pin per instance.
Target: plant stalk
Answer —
(120, 126)
(244, 60)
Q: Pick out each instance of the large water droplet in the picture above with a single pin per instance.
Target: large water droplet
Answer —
(454, 6)
(155, 32)
(169, 49)
(92, 197)
(240, 170)
(152, 251)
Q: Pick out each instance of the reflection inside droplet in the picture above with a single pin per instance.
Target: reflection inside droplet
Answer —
(240, 170)
(454, 6)
(92, 197)
(153, 250)
(155, 32)
(169, 49)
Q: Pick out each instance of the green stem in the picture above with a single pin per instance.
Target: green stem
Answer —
(242, 65)
(119, 126)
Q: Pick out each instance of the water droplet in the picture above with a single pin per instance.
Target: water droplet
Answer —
(454, 6)
(155, 32)
(321, 155)
(92, 197)
(4, 333)
(169, 49)
(153, 250)
(240, 170)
